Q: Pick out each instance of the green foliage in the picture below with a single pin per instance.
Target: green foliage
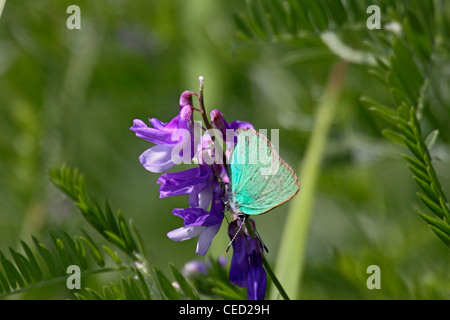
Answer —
(403, 63)
(402, 57)
(214, 283)
(410, 61)
(24, 271)
(115, 229)
(66, 99)
(28, 268)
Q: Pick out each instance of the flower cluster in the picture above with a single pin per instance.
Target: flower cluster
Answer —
(204, 184)
(246, 269)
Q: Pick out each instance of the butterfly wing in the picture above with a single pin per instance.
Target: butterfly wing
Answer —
(260, 179)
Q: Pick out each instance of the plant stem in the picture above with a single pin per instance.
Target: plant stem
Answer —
(275, 281)
(202, 105)
(291, 252)
(207, 123)
(2, 5)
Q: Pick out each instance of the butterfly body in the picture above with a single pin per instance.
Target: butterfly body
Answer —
(259, 179)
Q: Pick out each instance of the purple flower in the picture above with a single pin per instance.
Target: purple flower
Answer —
(204, 185)
(166, 137)
(246, 269)
(194, 267)
(197, 182)
(199, 222)
(218, 121)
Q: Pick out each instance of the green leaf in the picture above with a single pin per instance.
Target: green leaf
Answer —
(436, 223)
(115, 240)
(386, 113)
(48, 258)
(94, 294)
(63, 259)
(137, 294)
(403, 111)
(405, 68)
(108, 294)
(81, 253)
(165, 285)
(226, 291)
(185, 287)
(145, 286)
(129, 289)
(407, 132)
(434, 179)
(13, 276)
(35, 271)
(431, 205)
(110, 219)
(444, 206)
(79, 296)
(243, 26)
(414, 149)
(413, 162)
(4, 285)
(444, 237)
(125, 231)
(113, 255)
(140, 241)
(93, 249)
(23, 264)
(420, 174)
(116, 291)
(394, 137)
(257, 20)
(114, 230)
(426, 187)
(72, 254)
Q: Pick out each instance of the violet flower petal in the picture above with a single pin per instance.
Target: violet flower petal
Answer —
(185, 233)
(153, 135)
(205, 239)
(241, 125)
(179, 183)
(257, 278)
(239, 265)
(157, 124)
(157, 158)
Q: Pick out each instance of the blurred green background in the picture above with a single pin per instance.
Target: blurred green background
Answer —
(70, 96)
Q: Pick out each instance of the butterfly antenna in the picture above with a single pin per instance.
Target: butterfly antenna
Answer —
(237, 232)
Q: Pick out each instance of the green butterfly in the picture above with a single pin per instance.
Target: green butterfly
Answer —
(259, 179)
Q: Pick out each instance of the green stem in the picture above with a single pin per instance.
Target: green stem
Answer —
(275, 281)
(202, 106)
(2, 5)
(266, 265)
(207, 123)
(293, 242)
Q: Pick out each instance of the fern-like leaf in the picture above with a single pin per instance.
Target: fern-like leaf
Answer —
(46, 265)
(115, 229)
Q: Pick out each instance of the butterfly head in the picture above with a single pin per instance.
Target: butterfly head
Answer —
(230, 200)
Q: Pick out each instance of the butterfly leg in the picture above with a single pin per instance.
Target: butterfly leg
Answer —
(242, 217)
